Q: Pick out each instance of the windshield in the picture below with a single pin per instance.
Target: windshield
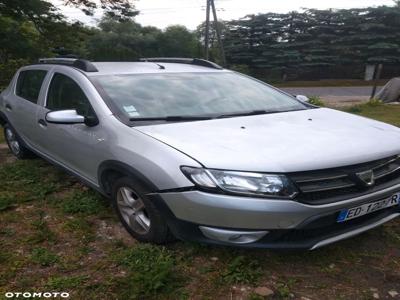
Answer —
(142, 96)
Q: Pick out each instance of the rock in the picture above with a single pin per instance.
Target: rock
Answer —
(393, 293)
(263, 291)
(332, 266)
(373, 289)
(214, 258)
(375, 295)
(305, 298)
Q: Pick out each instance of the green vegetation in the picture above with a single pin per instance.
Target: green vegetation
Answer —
(327, 83)
(43, 257)
(65, 283)
(83, 203)
(152, 270)
(316, 101)
(377, 110)
(313, 44)
(57, 234)
(1, 136)
(242, 269)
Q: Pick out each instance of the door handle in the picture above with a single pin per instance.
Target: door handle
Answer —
(42, 123)
(8, 107)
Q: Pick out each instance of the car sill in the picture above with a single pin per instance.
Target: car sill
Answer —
(354, 232)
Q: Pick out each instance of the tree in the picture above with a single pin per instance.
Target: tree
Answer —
(38, 11)
(119, 9)
(129, 41)
(213, 42)
(178, 41)
(123, 41)
(318, 40)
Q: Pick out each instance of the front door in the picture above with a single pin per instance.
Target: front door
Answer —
(72, 145)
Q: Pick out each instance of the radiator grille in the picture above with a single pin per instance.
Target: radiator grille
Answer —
(336, 184)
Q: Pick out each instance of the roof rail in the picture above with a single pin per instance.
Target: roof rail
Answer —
(190, 61)
(81, 64)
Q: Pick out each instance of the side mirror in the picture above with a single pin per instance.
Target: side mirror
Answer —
(65, 117)
(302, 98)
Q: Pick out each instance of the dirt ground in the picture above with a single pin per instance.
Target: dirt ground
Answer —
(57, 235)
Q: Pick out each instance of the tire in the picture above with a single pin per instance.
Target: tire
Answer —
(14, 143)
(137, 213)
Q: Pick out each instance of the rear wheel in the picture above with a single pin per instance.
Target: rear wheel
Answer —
(14, 143)
(137, 213)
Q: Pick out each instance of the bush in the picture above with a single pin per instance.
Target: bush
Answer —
(373, 103)
(8, 69)
(315, 100)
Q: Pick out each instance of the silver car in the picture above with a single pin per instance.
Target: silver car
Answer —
(187, 149)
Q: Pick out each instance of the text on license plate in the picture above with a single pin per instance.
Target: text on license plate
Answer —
(355, 212)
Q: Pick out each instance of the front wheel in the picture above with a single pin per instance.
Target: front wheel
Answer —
(14, 143)
(137, 213)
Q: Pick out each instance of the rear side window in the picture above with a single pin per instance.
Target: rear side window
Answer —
(29, 83)
(64, 93)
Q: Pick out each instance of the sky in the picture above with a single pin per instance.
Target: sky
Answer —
(161, 13)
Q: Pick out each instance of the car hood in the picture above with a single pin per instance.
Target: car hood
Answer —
(281, 142)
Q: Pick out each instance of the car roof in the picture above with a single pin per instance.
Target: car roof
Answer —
(114, 68)
(144, 66)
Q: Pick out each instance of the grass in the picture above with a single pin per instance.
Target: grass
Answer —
(153, 270)
(242, 269)
(378, 111)
(43, 257)
(330, 83)
(1, 136)
(57, 235)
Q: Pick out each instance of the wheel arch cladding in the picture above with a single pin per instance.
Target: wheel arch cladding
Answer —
(111, 170)
(3, 119)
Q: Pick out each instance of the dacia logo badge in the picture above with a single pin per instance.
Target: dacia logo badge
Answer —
(367, 177)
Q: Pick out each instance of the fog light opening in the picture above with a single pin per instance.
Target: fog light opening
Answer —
(232, 236)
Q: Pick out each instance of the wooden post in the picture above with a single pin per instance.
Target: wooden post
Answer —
(377, 76)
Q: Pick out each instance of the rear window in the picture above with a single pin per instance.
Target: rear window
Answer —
(29, 83)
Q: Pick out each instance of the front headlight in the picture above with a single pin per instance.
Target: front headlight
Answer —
(242, 182)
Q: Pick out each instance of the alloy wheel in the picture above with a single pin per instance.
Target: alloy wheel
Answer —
(133, 211)
(12, 141)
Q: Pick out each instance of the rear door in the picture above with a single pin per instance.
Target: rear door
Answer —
(22, 104)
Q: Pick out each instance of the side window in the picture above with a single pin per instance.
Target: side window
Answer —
(29, 83)
(64, 93)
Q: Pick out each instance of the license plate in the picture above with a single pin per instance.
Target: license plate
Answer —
(355, 212)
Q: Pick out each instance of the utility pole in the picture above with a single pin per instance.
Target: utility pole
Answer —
(219, 37)
(207, 35)
(211, 5)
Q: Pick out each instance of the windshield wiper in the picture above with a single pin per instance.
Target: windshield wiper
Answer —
(247, 113)
(255, 112)
(172, 118)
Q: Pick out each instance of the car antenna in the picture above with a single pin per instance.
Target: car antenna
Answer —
(160, 66)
